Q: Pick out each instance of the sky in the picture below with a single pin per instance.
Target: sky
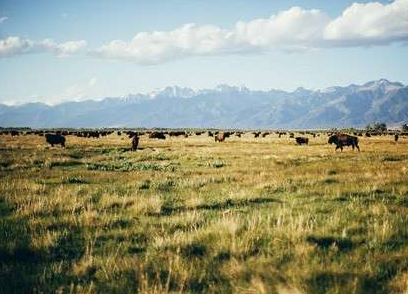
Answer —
(55, 51)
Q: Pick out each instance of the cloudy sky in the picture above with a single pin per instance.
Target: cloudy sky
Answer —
(53, 51)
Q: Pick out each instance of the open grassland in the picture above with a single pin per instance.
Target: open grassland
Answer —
(189, 215)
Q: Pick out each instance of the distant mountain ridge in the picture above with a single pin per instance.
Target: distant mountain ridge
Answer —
(225, 107)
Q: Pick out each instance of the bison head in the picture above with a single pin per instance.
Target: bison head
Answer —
(332, 139)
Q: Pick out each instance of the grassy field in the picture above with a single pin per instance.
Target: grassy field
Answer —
(188, 215)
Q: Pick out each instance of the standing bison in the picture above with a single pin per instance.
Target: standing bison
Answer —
(55, 139)
(135, 142)
(157, 135)
(344, 140)
(220, 137)
(302, 140)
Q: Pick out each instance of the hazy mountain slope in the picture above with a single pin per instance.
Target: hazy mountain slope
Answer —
(225, 107)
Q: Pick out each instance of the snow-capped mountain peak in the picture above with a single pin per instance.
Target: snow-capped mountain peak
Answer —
(383, 84)
(173, 91)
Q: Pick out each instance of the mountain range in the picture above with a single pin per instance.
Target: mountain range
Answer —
(225, 107)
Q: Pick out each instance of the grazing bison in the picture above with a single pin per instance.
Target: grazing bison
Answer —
(302, 140)
(157, 135)
(55, 139)
(178, 133)
(220, 137)
(344, 140)
(135, 142)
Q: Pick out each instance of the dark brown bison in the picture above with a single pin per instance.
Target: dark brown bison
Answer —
(135, 142)
(178, 133)
(55, 139)
(157, 135)
(344, 140)
(396, 137)
(220, 137)
(302, 140)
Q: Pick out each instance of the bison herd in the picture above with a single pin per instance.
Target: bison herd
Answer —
(58, 137)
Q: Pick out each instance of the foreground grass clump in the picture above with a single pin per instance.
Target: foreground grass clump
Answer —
(193, 216)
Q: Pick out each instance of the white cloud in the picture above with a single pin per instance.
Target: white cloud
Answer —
(156, 47)
(69, 48)
(369, 24)
(15, 46)
(3, 19)
(294, 29)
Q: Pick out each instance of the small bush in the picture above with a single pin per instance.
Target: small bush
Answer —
(194, 250)
(392, 158)
(330, 181)
(74, 180)
(62, 163)
(6, 163)
(158, 157)
(126, 166)
(145, 185)
(76, 155)
(165, 186)
(217, 164)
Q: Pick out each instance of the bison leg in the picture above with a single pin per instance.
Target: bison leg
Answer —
(358, 148)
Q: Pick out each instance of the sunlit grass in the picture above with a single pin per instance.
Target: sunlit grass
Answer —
(189, 215)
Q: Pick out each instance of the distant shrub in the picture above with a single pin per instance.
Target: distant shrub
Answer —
(159, 157)
(76, 155)
(194, 250)
(6, 163)
(62, 163)
(392, 158)
(330, 181)
(145, 185)
(126, 166)
(74, 180)
(165, 186)
(328, 241)
(217, 164)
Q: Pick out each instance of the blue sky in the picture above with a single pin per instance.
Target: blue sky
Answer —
(53, 51)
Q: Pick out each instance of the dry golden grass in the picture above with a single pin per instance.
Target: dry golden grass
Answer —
(188, 215)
